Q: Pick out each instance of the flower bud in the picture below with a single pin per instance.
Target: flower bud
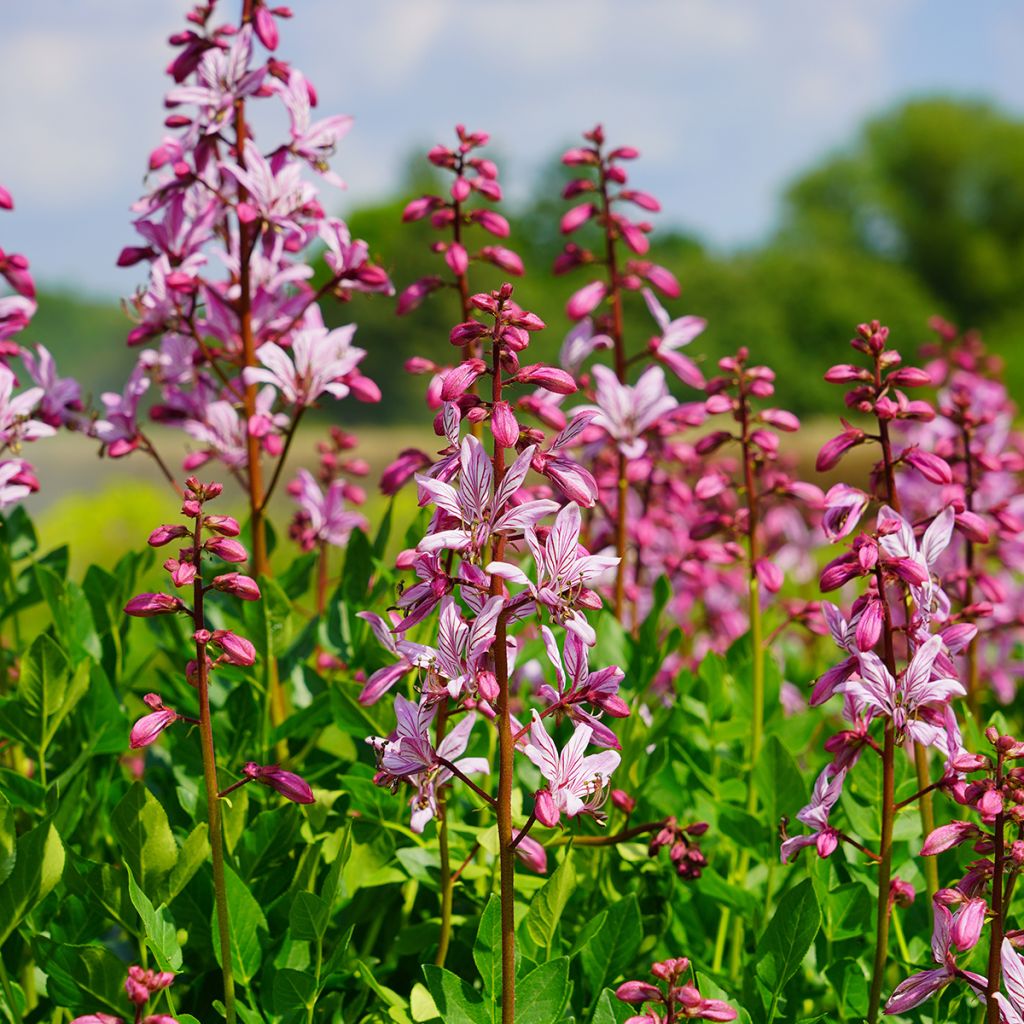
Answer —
(147, 605)
(235, 583)
(227, 548)
(165, 534)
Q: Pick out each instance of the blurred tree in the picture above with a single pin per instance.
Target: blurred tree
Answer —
(936, 186)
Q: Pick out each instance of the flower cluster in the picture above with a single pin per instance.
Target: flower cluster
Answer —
(973, 434)
(981, 897)
(213, 536)
(37, 411)
(227, 231)
(673, 998)
(472, 175)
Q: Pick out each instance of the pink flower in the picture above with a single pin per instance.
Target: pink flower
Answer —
(844, 505)
(238, 585)
(318, 363)
(878, 693)
(237, 650)
(323, 516)
(816, 814)
(675, 334)
(472, 514)
(149, 727)
(575, 782)
(626, 412)
(919, 987)
(313, 141)
(563, 569)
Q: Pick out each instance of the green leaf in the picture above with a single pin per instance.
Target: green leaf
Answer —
(87, 979)
(38, 866)
(18, 534)
(779, 783)
(144, 837)
(293, 990)
(355, 578)
(609, 1010)
(8, 838)
(849, 910)
(487, 952)
(457, 1002)
(541, 995)
(245, 922)
(851, 987)
(191, 857)
(538, 927)
(614, 946)
(788, 937)
(308, 917)
(44, 676)
(161, 933)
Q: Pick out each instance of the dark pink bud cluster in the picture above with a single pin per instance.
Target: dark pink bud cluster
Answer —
(141, 986)
(454, 214)
(683, 848)
(675, 997)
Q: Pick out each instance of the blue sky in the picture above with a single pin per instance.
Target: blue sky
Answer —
(727, 99)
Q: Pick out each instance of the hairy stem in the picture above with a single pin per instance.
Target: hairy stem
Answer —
(447, 888)
(212, 796)
(506, 751)
(616, 331)
(995, 947)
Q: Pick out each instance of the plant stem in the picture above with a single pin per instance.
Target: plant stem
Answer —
(996, 926)
(212, 797)
(616, 331)
(8, 991)
(447, 887)
(884, 872)
(506, 748)
(925, 810)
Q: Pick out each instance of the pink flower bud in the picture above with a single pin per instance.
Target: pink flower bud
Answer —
(182, 573)
(832, 451)
(457, 258)
(226, 548)
(930, 466)
(461, 378)
(487, 685)
(226, 526)
(420, 208)
(147, 605)
(149, 727)
(165, 534)
(545, 809)
(576, 217)
(241, 586)
(237, 650)
(492, 222)
(549, 377)
(460, 189)
(504, 425)
(637, 992)
(909, 377)
(531, 853)
(412, 296)
(869, 627)
(769, 575)
(967, 924)
(266, 28)
(503, 258)
(780, 419)
(579, 156)
(973, 527)
(288, 784)
(583, 302)
(622, 800)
